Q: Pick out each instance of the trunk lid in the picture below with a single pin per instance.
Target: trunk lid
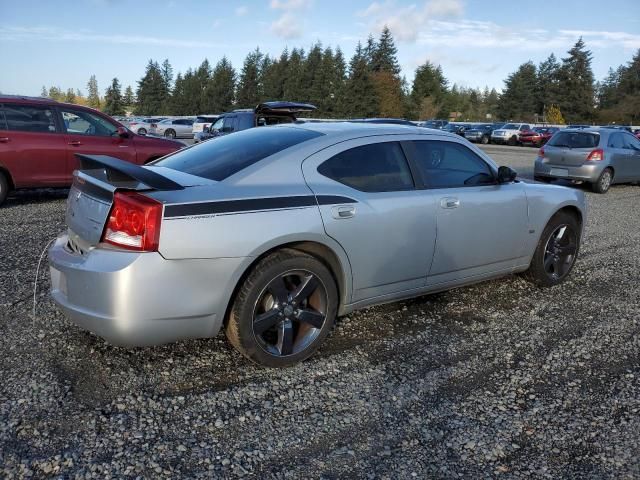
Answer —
(570, 148)
(94, 184)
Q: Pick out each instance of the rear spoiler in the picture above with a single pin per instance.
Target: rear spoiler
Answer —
(117, 170)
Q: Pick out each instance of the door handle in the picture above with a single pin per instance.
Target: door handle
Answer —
(449, 202)
(75, 143)
(343, 212)
(4, 139)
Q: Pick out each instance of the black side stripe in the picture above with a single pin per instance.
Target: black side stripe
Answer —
(252, 204)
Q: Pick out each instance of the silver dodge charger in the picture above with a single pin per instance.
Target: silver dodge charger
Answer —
(272, 232)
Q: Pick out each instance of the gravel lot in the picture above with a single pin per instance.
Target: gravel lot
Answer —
(498, 379)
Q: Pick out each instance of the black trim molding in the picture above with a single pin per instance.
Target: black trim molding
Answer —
(252, 205)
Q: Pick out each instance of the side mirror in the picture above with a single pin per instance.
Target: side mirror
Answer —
(123, 132)
(206, 129)
(506, 175)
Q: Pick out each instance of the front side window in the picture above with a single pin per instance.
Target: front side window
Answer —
(378, 167)
(449, 165)
(631, 142)
(524, 128)
(229, 125)
(28, 118)
(218, 124)
(79, 122)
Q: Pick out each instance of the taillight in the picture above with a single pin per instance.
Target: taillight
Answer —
(541, 152)
(134, 222)
(597, 154)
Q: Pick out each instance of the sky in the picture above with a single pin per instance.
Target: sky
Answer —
(476, 42)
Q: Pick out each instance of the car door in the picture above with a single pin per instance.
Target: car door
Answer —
(632, 145)
(90, 133)
(32, 147)
(373, 210)
(481, 225)
(620, 157)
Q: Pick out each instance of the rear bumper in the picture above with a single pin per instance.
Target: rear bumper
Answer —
(140, 299)
(588, 172)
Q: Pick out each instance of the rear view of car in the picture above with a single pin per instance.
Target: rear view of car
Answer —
(600, 157)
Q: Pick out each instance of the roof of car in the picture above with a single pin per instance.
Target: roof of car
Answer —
(363, 128)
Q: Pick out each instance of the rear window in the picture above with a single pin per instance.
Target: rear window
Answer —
(205, 119)
(575, 140)
(224, 156)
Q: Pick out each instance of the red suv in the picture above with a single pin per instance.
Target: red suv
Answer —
(40, 137)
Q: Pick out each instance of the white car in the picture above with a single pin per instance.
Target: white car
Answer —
(201, 122)
(174, 128)
(508, 133)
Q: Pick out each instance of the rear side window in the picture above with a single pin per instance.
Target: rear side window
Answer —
(3, 122)
(575, 140)
(221, 157)
(28, 118)
(378, 167)
(449, 165)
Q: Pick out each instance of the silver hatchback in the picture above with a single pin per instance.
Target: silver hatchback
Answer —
(599, 156)
(272, 232)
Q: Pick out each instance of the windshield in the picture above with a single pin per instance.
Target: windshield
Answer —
(510, 126)
(221, 157)
(575, 140)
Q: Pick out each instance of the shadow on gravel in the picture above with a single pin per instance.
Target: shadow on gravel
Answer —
(34, 197)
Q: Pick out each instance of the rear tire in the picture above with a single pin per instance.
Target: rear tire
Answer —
(556, 252)
(603, 183)
(142, 131)
(4, 187)
(284, 310)
(484, 140)
(170, 134)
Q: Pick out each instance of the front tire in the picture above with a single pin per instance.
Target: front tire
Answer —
(512, 141)
(284, 310)
(556, 252)
(604, 181)
(4, 187)
(484, 140)
(170, 134)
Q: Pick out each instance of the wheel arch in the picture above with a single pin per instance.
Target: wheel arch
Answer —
(7, 174)
(332, 256)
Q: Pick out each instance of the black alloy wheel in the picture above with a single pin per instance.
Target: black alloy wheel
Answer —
(289, 313)
(560, 252)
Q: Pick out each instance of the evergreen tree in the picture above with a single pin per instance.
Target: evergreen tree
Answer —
(249, 86)
(369, 51)
(113, 99)
(128, 98)
(43, 92)
(360, 98)
(152, 94)
(547, 88)
(274, 73)
(55, 93)
(518, 100)
(384, 57)
(428, 91)
(577, 93)
(178, 104)
(220, 91)
(293, 88)
(93, 98)
(167, 74)
(70, 96)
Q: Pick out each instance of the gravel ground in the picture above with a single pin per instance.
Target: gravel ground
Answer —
(498, 379)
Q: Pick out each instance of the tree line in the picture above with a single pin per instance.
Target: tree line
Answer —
(371, 84)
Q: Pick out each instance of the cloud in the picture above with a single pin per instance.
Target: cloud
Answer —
(17, 34)
(242, 10)
(287, 27)
(407, 22)
(289, 5)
